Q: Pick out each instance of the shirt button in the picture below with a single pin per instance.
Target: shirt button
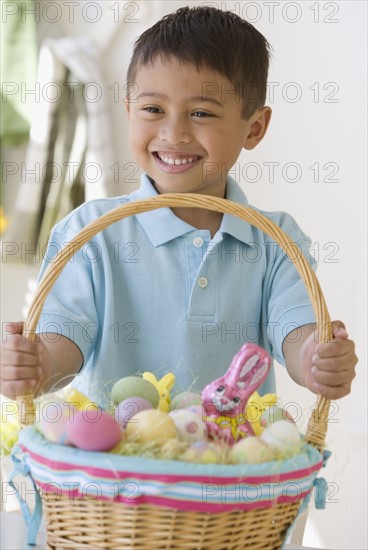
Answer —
(198, 242)
(202, 282)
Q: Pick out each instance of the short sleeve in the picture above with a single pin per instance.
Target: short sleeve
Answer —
(69, 309)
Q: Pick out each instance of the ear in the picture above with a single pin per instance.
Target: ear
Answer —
(168, 380)
(150, 377)
(127, 107)
(259, 123)
(248, 365)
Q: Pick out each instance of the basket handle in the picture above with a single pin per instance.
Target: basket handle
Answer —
(317, 426)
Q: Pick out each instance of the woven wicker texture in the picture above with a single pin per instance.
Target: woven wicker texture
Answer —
(97, 524)
(89, 524)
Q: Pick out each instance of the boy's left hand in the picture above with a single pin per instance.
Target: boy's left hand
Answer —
(329, 369)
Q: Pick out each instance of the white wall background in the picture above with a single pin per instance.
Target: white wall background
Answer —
(311, 164)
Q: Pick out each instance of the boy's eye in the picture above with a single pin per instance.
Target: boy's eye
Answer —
(152, 109)
(201, 114)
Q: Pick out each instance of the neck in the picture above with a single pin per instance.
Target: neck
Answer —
(198, 217)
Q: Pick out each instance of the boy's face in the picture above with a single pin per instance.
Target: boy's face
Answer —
(186, 128)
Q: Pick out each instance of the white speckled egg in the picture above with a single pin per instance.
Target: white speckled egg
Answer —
(189, 425)
(251, 450)
(197, 409)
(282, 436)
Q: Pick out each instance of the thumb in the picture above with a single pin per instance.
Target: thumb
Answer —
(339, 330)
(14, 328)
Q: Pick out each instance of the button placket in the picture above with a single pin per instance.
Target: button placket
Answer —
(202, 297)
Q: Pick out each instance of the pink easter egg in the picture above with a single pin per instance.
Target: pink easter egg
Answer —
(94, 430)
(127, 408)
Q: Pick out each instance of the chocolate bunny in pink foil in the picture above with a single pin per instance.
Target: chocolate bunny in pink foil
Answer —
(225, 399)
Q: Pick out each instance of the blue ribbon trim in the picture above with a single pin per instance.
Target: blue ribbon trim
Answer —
(32, 520)
(321, 485)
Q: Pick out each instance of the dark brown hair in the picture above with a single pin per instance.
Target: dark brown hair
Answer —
(213, 38)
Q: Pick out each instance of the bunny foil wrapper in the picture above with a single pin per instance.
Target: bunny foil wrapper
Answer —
(225, 399)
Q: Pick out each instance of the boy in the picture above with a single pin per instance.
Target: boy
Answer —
(180, 289)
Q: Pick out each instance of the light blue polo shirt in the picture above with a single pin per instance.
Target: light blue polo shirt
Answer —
(152, 293)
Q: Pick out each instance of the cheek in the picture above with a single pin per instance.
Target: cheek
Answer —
(137, 139)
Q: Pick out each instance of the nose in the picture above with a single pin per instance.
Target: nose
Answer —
(175, 130)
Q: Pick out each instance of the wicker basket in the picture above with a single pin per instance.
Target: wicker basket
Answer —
(85, 523)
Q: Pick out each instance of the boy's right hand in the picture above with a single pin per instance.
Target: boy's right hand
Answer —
(23, 363)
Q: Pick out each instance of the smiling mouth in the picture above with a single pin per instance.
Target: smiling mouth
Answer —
(175, 159)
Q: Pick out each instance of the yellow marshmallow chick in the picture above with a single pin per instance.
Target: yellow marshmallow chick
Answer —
(79, 400)
(163, 387)
(256, 406)
(9, 431)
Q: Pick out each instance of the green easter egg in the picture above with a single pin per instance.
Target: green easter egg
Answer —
(134, 386)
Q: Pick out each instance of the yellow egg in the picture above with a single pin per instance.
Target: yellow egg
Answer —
(251, 450)
(203, 452)
(79, 400)
(151, 425)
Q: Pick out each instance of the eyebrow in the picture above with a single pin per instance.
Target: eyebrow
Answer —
(192, 98)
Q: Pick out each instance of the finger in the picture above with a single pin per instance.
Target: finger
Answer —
(10, 373)
(14, 389)
(333, 392)
(335, 364)
(332, 379)
(19, 358)
(17, 342)
(335, 348)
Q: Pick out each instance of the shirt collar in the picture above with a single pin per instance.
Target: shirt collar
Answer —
(161, 225)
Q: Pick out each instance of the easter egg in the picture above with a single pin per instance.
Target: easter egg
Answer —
(184, 400)
(94, 430)
(126, 410)
(52, 417)
(273, 414)
(189, 425)
(202, 452)
(151, 425)
(251, 450)
(79, 400)
(134, 386)
(282, 436)
(196, 409)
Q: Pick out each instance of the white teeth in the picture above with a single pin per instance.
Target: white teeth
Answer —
(176, 162)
